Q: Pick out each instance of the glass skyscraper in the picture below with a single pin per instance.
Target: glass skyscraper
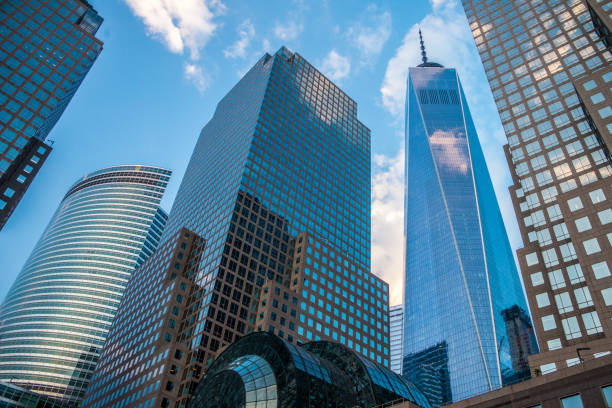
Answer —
(270, 231)
(461, 279)
(396, 337)
(46, 49)
(55, 318)
(548, 65)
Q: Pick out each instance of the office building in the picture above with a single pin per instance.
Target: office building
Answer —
(548, 65)
(56, 316)
(583, 386)
(262, 369)
(270, 231)
(46, 50)
(396, 331)
(12, 396)
(461, 279)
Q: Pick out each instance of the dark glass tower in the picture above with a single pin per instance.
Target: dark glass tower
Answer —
(270, 231)
(460, 275)
(46, 49)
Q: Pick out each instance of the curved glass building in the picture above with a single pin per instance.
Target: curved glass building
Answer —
(264, 370)
(57, 314)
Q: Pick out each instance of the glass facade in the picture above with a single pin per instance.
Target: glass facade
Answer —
(460, 274)
(396, 336)
(278, 188)
(548, 66)
(46, 49)
(56, 316)
(262, 370)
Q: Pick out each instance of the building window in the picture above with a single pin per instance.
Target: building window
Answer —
(574, 272)
(542, 299)
(574, 204)
(556, 279)
(548, 368)
(592, 323)
(548, 322)
(600, 270)
(605, 216)
(583, 224)
(607, 394)
(537, 278)
(554, 344)
(597, 196)
(573, 401)
(583, 297)
(571, 328)
(531, 259)
(564, 303)
(591, 246)
(607, 296)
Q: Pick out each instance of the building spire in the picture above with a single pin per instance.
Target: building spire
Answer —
(423, 53)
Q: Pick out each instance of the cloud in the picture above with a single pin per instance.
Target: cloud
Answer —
(369, 36)
(448, 41)
(387, 221)
(195, 74)
(289, 31)
(179, 24)
(451, 149)
(246, 31)
(336, 66)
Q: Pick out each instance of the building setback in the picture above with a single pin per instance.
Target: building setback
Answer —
(270, 231)
(466, 326)
(46, 50)
(548, 66)
(396, 338)
(56, 316)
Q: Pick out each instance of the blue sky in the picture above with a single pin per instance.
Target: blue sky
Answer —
(166, 64)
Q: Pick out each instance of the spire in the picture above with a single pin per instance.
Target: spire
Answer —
(423, 53)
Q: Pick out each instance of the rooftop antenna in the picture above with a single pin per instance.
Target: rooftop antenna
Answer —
(423, 53)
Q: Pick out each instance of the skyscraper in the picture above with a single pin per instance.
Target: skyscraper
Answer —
(396, 336)
(549, 68)
(57, 314)
(270, 231)
(460, 273)
(46, 49)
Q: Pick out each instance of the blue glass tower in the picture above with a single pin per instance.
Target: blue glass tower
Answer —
(466, 329)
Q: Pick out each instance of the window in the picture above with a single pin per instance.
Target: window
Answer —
(606, 294)
(537, 278)
(556, 279)
(531, 259)
(574, 203)
(583, 297)
(605, 216)
(597, 196)
(564, 303)
(571, 328)
(548, 368)
(607, 393)
(543, 300)
(554, 344)
(583, 224)
(548, 322)
(591, 246)
(574, 272)
(600, 270)
(592, 323)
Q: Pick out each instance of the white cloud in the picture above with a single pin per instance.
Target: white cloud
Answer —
(179, 24)
(246, 31)
(195, 74)
(369, 36)
(289, 31)
(387, 221)
(448, 41)
(336, 66)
